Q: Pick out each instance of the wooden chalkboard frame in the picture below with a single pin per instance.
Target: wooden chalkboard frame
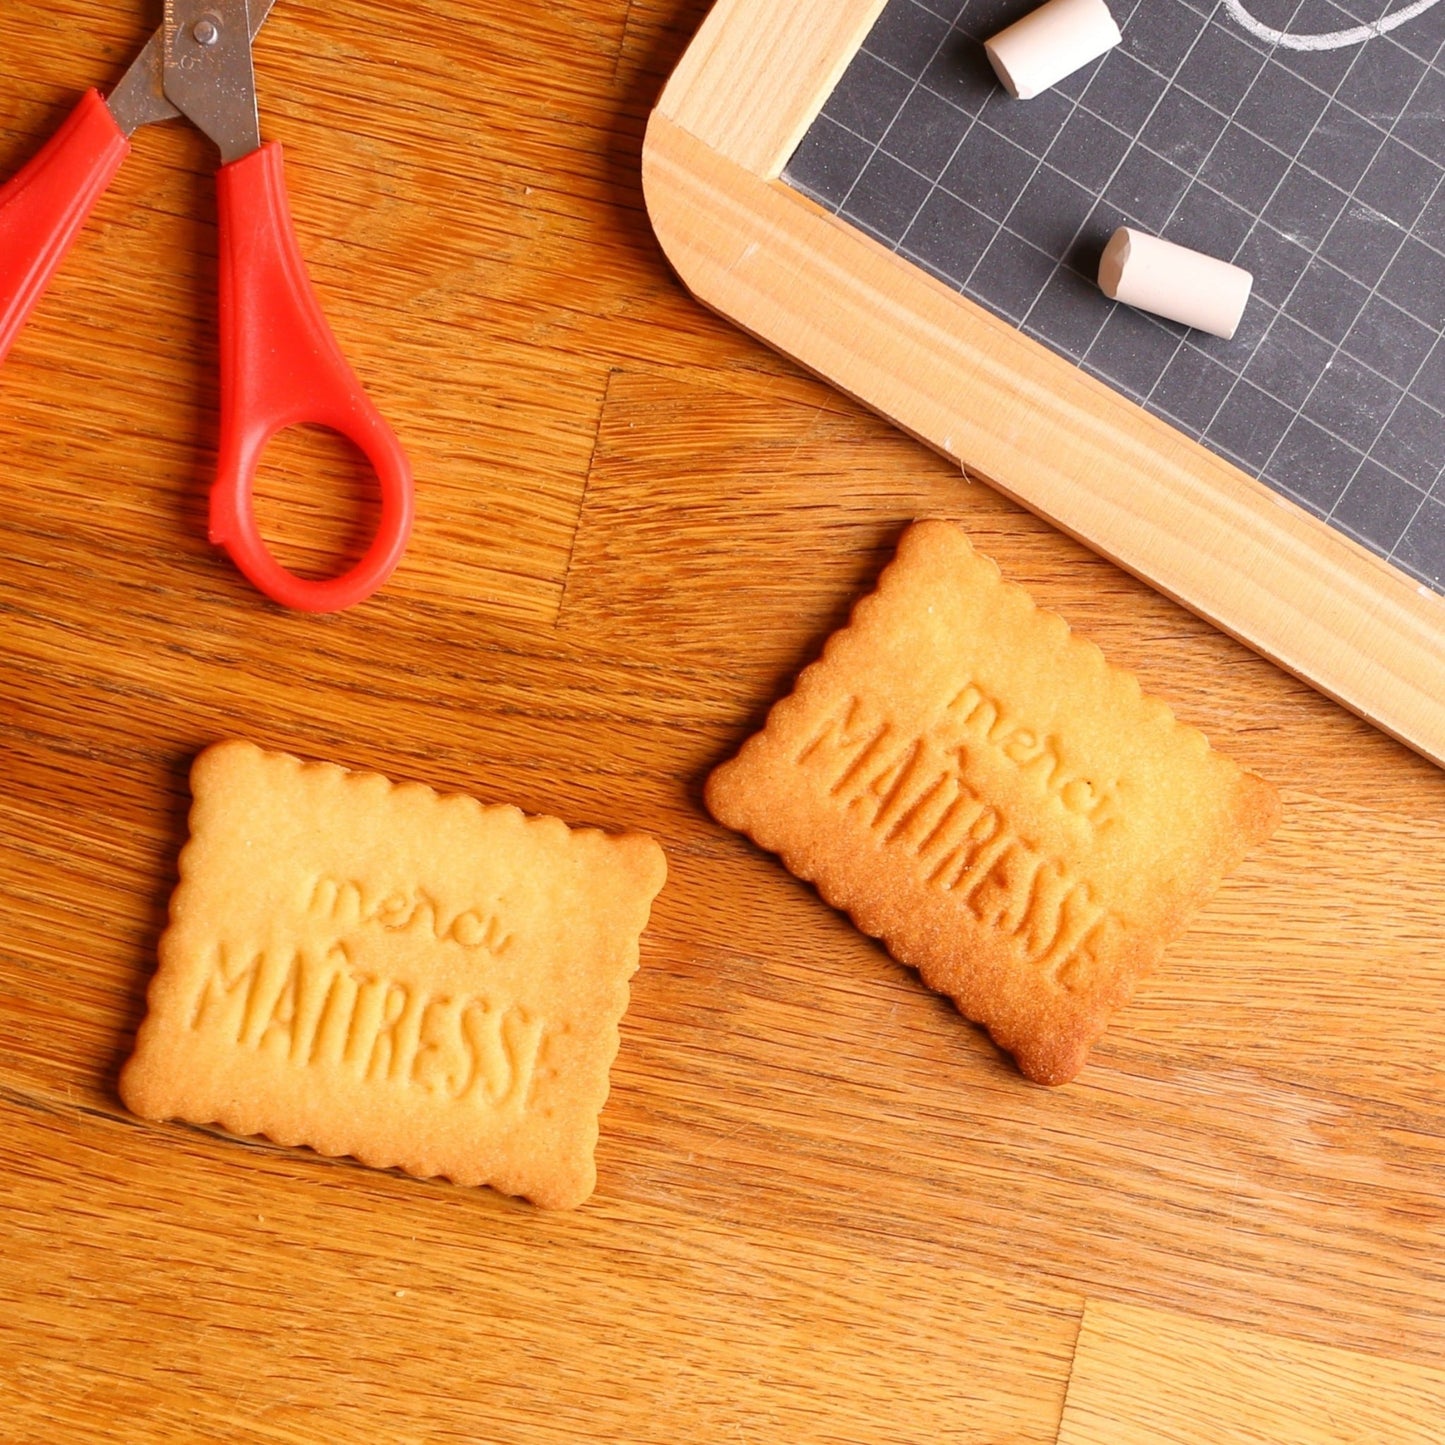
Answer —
(1013, 412)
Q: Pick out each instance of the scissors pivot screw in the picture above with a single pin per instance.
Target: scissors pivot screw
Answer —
(206, 31)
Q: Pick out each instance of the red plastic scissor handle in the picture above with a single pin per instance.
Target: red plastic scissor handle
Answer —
(281, 367)
(45, 203)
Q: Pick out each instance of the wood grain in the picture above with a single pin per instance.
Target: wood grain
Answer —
(309, 1302)
(828, 1210)
(779, 75)
(1142, 1377)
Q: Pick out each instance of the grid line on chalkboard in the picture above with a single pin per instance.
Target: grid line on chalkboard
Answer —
(1373, 293)
(1320, 173)
(916, 82)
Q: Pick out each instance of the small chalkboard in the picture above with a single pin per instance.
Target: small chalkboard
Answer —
(846, 180)
(1317, 169)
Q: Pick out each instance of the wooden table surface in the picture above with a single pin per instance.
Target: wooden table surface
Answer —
(828, 1209)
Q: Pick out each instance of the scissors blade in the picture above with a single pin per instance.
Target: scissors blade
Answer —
(209, 76)
(140, 97)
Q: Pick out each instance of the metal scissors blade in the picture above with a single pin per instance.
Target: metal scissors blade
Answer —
(140, 97)
(209, 75)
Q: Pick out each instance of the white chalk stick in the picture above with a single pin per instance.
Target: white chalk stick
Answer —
(1171, 280)
(1051, 42)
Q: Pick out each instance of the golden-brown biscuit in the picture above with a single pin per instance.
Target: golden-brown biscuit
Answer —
(380, 970)
(981, 790)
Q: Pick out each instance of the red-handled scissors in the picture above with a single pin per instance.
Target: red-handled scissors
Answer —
(280, 364)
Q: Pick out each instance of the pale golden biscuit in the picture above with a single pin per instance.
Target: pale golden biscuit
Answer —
(384, 971)
(981, 790)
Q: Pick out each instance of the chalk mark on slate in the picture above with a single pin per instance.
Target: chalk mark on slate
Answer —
(1328, 40)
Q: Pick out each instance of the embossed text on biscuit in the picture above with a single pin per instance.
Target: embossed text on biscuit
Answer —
(349, 904)
(309, 1009)
(1038, 756)
(912, 794)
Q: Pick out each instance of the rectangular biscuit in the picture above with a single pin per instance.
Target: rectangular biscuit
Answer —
(380, 970)
(981, 790)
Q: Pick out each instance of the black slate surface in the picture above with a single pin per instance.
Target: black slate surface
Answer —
(1318, 170)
